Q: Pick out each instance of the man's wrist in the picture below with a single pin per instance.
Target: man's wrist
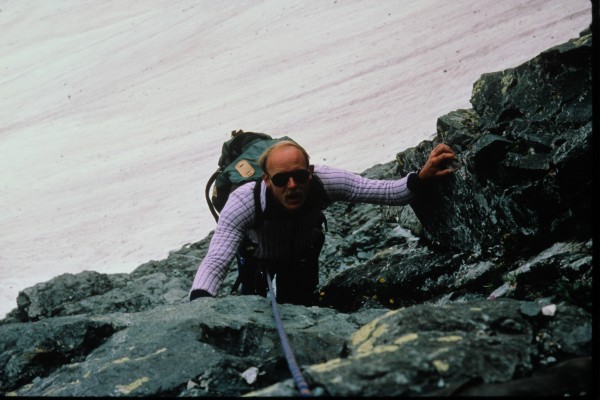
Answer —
(197, 293)
(414, 183)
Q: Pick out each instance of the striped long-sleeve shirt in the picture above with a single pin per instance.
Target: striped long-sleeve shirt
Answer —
(285, 237)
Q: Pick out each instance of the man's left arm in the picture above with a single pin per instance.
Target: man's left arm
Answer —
(342, 185)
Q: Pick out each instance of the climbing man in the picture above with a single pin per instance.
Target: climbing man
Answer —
(275, 224)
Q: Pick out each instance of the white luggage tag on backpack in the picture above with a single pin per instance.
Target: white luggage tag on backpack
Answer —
(244, 169)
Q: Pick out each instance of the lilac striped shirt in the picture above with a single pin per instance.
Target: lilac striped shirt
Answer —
(274, 237)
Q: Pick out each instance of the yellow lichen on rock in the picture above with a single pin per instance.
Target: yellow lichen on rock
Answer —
(128, 388)
(451, 338)
(326, 366)
(367, 339)
(441, 366)
(406, 338)
(507, 81)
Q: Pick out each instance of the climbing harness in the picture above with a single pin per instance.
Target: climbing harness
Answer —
(285, 344)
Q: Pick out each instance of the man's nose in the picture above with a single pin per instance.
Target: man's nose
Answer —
(291, 182)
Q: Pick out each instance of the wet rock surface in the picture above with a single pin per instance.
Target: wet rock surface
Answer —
(483, 286)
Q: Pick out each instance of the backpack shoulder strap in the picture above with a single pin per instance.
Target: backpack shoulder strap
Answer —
(322, 196)
(259, 215)
(211, 206)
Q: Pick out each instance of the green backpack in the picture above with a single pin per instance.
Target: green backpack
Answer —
(238, 165)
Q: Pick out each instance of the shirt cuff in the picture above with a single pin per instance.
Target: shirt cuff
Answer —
(197, 293)
(415, 184)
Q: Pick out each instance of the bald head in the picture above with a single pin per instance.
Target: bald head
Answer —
(264, 157)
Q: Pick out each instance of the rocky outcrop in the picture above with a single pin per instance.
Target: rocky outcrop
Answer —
(520, 202)
(481, 287)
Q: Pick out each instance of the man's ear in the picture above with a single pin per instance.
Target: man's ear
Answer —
(311, 169)
(265, 178)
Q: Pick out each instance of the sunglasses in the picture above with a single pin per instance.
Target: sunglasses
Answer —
(281, 179)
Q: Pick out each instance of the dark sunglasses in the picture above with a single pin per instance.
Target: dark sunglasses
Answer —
(281, 179)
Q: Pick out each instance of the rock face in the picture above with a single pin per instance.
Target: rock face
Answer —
(481, 287)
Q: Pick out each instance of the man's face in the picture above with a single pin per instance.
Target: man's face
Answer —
(283, 163)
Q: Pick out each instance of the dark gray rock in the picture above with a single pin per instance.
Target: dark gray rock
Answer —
(526, 162)
(403, 277)
(420, 349)
(195, 348)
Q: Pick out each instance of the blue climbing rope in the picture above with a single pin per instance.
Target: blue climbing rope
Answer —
(287, 350)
